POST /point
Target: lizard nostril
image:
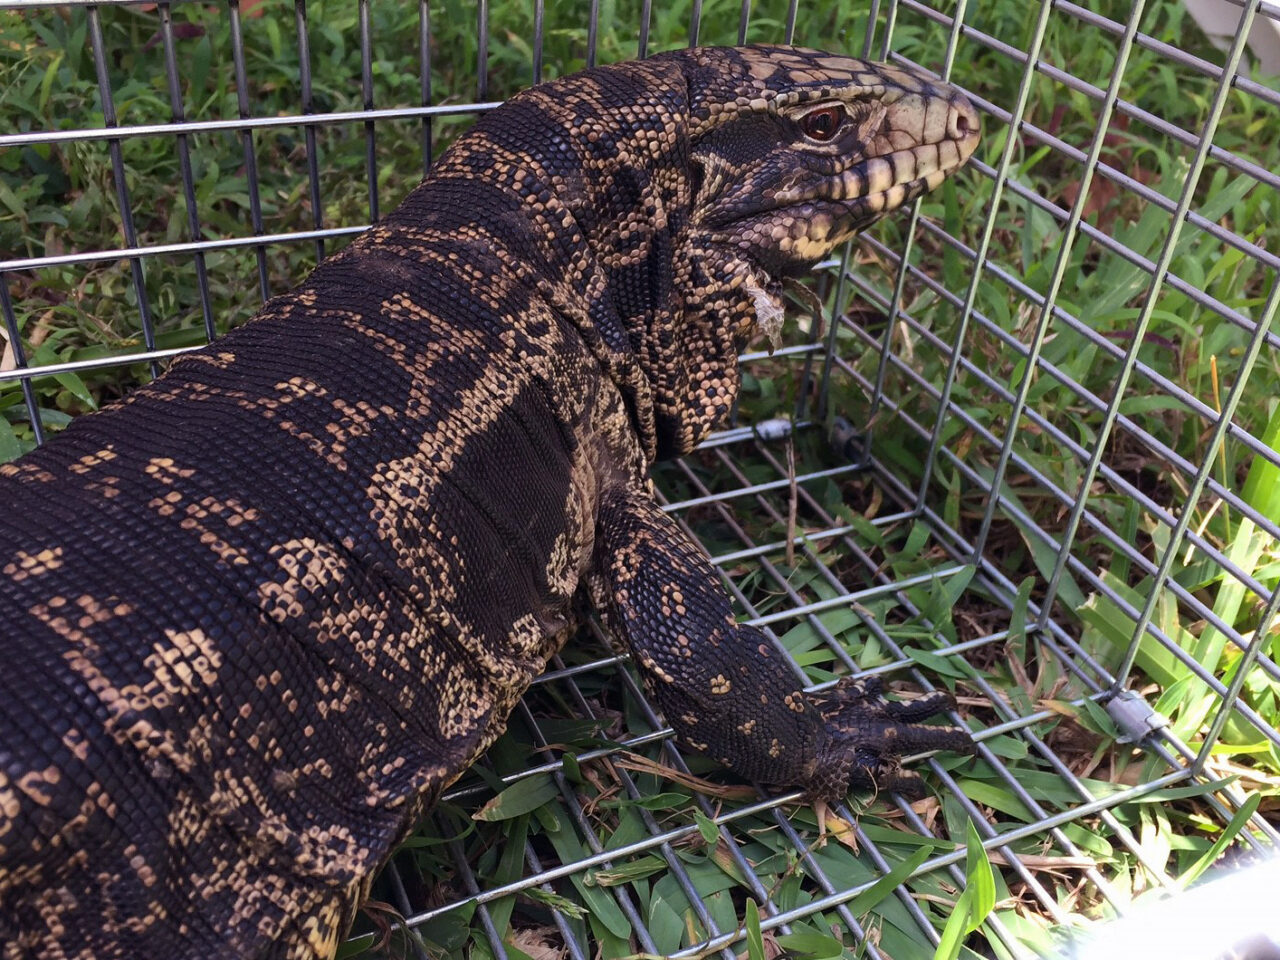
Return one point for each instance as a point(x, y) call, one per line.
point(961, 121)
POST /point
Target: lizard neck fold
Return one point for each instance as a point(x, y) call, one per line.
point(600, 166)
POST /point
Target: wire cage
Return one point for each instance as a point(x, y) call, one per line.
point(1028, 452)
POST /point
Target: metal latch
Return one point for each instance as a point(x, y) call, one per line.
point(1134, 716)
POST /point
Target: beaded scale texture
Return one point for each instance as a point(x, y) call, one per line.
point(259, 614)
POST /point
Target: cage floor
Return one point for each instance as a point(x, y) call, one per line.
point(588, 807)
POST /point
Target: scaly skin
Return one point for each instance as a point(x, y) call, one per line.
point(258, 615)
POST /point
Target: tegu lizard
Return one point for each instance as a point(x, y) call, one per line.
point(259, 614)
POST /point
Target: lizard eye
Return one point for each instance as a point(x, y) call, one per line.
point(822, 124)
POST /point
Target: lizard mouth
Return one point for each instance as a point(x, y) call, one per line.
point(812, 227)
point(887, 169)
point(793, 226)
point(883, 182)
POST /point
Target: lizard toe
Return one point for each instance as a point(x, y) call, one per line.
point(864, 738)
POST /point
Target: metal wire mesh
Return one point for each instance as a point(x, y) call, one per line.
point(960, 528)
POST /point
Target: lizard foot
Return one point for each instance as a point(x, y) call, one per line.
point(865, 736)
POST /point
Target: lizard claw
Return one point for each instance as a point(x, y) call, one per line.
point(864, 737)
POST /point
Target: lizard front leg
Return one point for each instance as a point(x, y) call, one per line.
point(725, 689)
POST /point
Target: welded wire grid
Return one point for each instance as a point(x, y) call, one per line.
point(808, 526)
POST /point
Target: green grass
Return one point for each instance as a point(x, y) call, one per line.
point(56, 199)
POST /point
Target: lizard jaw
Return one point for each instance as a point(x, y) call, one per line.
point(813, 228)
point(826, 224)
point(787, 226)
point(816, 228)
point(796, 231)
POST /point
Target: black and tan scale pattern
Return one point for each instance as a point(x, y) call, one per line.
point(257, 616)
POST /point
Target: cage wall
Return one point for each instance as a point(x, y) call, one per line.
point(1027, 452)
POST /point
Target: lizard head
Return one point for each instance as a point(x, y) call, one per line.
point(672, 194)
point(797, 150)
point(792, 151)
